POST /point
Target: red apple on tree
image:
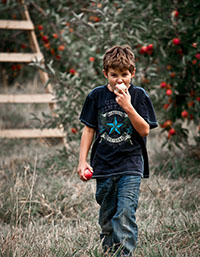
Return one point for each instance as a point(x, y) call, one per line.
point(45, 39)
point(166, 106)
point(168, 92)
point(73, 130)
point(150, 49)
point(197, 56)
point(176, 41)
point(172, 131)
point(184, 114)
point(143, 50)
point(163, 84)
point(61, 47)
point(167, 123)
point(40, 27)
point(175, 13)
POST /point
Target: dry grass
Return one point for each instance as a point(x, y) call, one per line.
point(45, 210)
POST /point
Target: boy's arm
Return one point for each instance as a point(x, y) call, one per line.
point(86, 141)
point(140, 125)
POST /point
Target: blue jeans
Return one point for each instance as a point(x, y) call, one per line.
point(118, 200)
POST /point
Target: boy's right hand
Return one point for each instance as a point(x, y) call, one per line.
point(81, 170)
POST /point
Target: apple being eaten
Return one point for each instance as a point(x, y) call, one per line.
point(121, 86)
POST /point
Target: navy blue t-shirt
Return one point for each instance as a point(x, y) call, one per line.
point(118, 149)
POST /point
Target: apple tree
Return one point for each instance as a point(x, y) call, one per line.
point(165, 38)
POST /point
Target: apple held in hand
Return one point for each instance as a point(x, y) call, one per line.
point(121, 86)
point(88, 174)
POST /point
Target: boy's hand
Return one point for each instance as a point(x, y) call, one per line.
point(123, 98)
point(81, 169)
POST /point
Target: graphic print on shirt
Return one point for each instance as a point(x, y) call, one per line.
point(115, 127)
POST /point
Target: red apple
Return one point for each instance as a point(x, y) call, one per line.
point(88, 174)
point(23, 46)
point(184, 114)
point(169, 67)
point(172, 74)
point(55, 35)
point(191, 103)
point(172, 131)
point(73, 130)
point(91, 59)
point(197, 56)
point(168, 92)
point(175, 13)
point(163, 84)
point(143, 50)
point(96, 19)
point(14, 67)
point(194, 61)
point(168, 123)
point(45, 39)
point(150, 47)
point(61, 47)
point(176, 41)
point(40, 27)
point(180, 51)
point(72, 71)
point(166, 106)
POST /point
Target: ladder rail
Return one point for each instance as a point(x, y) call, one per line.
point(26, 98)
point(21, 57)
point(16, 25)
point(32, 133)
point(27, 25)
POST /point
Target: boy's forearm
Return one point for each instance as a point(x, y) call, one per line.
point(141, 126)
point(86, 141)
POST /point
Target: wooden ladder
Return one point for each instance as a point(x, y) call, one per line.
point(27, 25)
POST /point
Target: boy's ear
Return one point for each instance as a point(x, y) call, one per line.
point(133, 73)
point(105, 74)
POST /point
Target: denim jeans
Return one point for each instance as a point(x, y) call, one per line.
point(118, 200)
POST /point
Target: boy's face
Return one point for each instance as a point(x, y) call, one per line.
point(116, 76)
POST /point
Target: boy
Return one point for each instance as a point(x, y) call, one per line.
point(120, 120)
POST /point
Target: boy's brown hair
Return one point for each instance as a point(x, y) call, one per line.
point(119, 57)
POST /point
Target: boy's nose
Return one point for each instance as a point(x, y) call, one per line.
point(119, 81)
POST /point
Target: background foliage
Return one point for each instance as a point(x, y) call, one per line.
point(164, 35)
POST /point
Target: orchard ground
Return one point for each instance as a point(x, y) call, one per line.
point(45, 210)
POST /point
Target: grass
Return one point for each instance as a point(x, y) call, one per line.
point(45, 210)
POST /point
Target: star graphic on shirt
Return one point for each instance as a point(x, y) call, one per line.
point(114, 126)
point(129, 130)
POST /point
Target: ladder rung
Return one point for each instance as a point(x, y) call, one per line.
point(20, 57)
point(36, 98)
point(32, 133)
point(12, 24)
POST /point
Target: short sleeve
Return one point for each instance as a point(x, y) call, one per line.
point(146, 110)
point(88, 114)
